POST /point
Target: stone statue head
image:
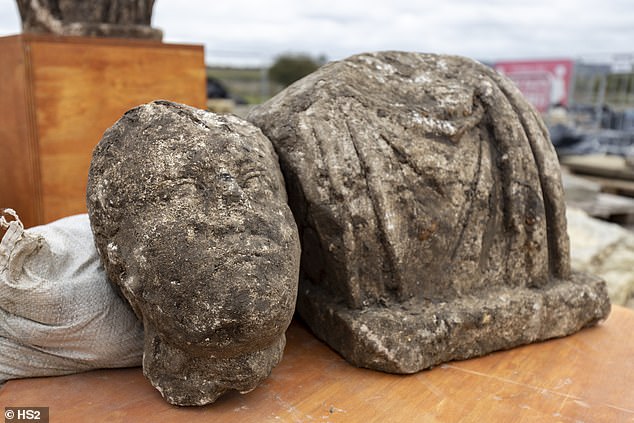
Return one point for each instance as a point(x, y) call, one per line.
point(190, 217)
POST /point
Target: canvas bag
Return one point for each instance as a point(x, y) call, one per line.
point(58, 313)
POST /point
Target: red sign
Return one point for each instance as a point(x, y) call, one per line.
point(544, 83)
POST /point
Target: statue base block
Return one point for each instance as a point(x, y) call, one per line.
point(419, 334)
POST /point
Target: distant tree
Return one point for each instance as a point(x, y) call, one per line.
point(288, 68)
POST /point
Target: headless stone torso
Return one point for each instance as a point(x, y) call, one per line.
point(426, 190)
point(417, 184)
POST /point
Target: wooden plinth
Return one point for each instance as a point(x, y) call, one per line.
point(58, 96)
point(586, 377)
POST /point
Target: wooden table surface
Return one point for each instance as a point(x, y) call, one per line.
point(586, 377)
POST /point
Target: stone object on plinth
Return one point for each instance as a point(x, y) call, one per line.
point(100, 18)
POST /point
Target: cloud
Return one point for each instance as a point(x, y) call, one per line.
point(9, 18)
point(254, 32)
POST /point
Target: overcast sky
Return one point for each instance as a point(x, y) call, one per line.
point(253, 32)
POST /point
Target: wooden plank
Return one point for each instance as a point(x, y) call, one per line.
point(606, 205)
point(614, 167)
point(19, 160)
point(613, 186)
point(82, 86)
point(588, 376)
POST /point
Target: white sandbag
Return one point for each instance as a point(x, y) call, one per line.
point(58, 313)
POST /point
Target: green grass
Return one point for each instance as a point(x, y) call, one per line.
point(244, 82)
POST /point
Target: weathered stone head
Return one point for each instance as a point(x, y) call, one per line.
point(101, 18)
point(430, 209)
point(190, 218)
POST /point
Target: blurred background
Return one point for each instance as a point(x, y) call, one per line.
point(253, 49)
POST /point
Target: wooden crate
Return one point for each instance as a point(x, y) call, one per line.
point(57, 97)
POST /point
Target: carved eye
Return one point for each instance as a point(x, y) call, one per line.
point(251, 179)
